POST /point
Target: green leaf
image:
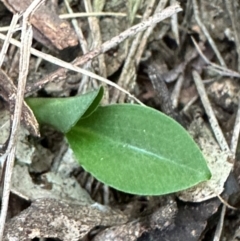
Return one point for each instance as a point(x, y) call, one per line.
point(137, 150)
point(63, 113)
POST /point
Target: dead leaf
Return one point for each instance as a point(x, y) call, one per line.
point(54, 186)
point(217, 160)
point(24, 151)
point(8, 89)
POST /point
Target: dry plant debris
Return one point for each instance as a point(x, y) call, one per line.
point(24, 151)
point(8, 89)
point(219, 163)
point(50, 218)
point(168, 55)
point(49, 28)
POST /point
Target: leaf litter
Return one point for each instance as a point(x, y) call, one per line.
point(179, 224)
point(217, 160)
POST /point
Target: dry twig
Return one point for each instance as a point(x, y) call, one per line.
point(236, 131)
point(83, 44)
point(67, 66)
point(176, 91)
point(209, 111)
point(9, 36)
point(232, 15)
point(26, 38)
point(206, 33)
point(215, 67)
point(218, 232)
point(128, 73)
point(61, 73)
point(174, 25)
point(97, 42)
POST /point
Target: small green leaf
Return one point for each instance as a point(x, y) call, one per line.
point(137, 150)
point(63, 113)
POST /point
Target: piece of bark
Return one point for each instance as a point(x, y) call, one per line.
point(48, 27)
point(7, 92)
point(50, 218)
point(161, 219)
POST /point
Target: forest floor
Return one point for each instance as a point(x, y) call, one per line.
point(186, 65)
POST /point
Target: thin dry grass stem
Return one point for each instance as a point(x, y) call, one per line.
point(84, 47)
point(221, 141)
point(83, 86)
point(6, 28)
point(219, 228)
point(106, 194)
point(98, 187)
point(218, 232)
point(89, 184)
point(97, 42)
point(105, 46)
point(218, 69)
point(176, 91)
point(174, 25)
point(102, 49)
point(129, 64)
point(185, 24)
point(95, 14)
point(206, 33)
point(236, 131)
point(138, 52)
point(94, 26)
point(26, 41)
point(9, 36)
point(209, 81)
point(209, 111)
point(81, 39)
point(39, 60)
point(98, 5)
point(81, 15)
point(232, 15)
point(72, 67)
point(224, 202)
point(189, 104)
point(223, 72)
point(160, 7)
point(133, 6)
